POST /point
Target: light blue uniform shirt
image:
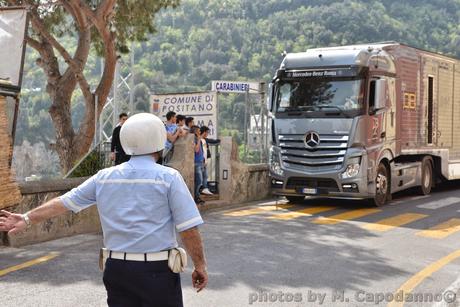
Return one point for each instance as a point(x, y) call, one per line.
point(141, 204)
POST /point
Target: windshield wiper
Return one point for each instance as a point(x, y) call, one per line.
point(298, 109)
point(324, 106)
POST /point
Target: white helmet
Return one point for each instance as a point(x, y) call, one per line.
point(142, 134)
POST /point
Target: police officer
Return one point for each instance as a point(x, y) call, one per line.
point(141, 205)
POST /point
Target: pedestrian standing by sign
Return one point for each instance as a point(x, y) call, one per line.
point(172, 134)
point(141, 204)
point(199, 163)
point(204, 130)
point(180, 120)
point(117, 153)
point(189, 123)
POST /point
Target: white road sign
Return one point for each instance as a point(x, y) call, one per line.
point(12, 31)
point(235, 87)
point(201, 106)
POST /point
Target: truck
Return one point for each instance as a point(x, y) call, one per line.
point(364, 121)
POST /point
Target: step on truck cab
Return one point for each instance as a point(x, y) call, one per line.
point(364, 121)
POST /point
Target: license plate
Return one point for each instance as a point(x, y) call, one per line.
point(309, 191)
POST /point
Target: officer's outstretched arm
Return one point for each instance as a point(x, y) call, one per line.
point(194, 246)
point(14, 223)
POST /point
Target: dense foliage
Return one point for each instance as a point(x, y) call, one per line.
point(204, 40)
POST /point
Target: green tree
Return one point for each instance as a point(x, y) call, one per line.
point(104, 25)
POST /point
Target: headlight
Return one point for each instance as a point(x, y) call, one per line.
point(352, 168)
point(275, 163)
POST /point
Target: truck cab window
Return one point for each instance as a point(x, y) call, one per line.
point(286, 91)
point(372, 96)
point(319, 95)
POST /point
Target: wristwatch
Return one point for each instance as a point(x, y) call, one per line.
point(26, 218)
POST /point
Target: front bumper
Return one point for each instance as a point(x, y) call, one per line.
point(327, 184)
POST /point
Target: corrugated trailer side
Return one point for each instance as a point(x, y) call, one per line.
point(409, 108)
point(438, 87)
point(455, 155)
point(445, 104)
point(429, 106)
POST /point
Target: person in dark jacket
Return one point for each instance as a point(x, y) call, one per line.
point(117, 153)
point(207, 156)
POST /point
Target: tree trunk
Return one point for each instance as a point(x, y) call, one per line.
point(70, 145)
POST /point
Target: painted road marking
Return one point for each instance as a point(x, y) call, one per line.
point(299, 213)
point(436, 204)
point(415, 280)
point(257, 210)
point(338, 218)
point(393, 222)
point(407, 199)
point(29, 263)
point(442, 230)
point(449, 295)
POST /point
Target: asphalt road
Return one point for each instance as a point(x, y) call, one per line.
point(323, 252)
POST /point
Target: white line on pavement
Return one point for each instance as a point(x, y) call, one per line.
point(436, 204)
point(453, 288)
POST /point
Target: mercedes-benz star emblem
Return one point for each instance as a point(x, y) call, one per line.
point(311, 139)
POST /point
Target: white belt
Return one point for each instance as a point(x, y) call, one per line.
point(139, 256)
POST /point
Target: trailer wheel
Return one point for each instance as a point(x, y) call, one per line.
point(382, 186)
point(427, 176)
point(295, 199)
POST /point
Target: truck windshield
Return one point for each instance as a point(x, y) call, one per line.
point(329, 96)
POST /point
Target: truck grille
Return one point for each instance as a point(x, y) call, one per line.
point(318, 183)
point(328, 155)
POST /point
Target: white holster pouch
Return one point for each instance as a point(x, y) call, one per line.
point(177, 260)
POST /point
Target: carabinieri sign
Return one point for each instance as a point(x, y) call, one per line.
point(236, 87)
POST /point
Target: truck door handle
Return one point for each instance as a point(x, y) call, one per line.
point(383, 135)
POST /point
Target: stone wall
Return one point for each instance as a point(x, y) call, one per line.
point(183, 159)
point(238, 182)
point(241, 182)
point(36, 193)
point(9, 191)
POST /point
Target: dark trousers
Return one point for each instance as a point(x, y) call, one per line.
point(143, 284)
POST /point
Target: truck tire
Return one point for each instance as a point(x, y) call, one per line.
point(427, 176)
point(295, 199)
point(382, 186)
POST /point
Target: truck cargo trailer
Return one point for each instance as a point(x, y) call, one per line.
point(364, 121)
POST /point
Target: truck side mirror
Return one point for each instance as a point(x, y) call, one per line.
point(270, 97)
point(377, 95)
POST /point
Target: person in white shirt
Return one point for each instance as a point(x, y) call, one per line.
point(142, 205)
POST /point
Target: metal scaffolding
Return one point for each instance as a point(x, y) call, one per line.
point(121, 99)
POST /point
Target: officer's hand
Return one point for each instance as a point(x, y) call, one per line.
point(12, 222)
point(112, 156)
point(199, 279)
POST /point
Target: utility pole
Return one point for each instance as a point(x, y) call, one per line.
point(246, 101)
point(263, 117)
point(131, 83)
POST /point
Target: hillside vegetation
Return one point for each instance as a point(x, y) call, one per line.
point(204, 40)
